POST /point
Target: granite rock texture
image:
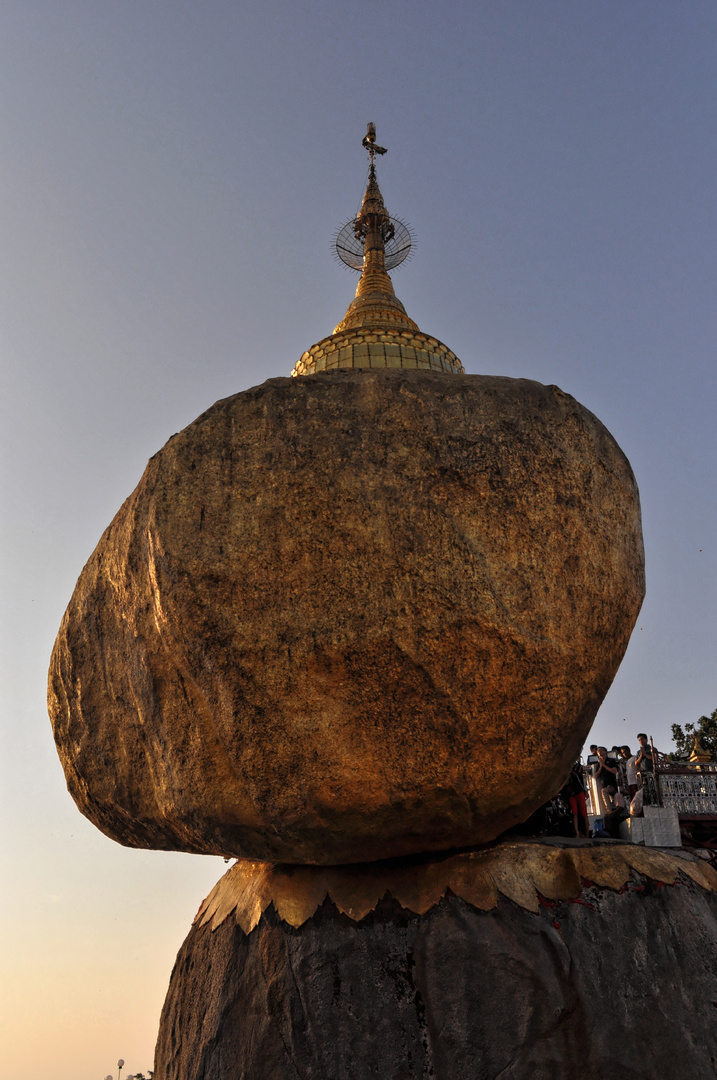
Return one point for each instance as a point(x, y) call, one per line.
point(350, 616)
point(615, 984)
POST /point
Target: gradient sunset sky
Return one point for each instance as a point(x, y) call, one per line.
point(173, 173)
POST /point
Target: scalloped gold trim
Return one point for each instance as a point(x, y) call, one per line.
point(519, 871)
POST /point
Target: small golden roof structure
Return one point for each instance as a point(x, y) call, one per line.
point(699, 752)
point(375, 332)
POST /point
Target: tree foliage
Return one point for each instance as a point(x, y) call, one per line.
point(706, 731)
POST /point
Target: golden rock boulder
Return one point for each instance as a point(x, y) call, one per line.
point(350, 616)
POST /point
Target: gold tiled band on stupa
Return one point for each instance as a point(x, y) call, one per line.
point(376, 332)
point(376, 348)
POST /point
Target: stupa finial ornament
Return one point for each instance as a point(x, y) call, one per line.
point(375, 332)
point(367, 238)
point(369, 141)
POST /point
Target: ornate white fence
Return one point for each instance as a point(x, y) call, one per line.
point(689, 789)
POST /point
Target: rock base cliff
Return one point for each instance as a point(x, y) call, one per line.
point(609, 981)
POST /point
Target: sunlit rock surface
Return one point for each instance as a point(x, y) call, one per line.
point(613, 978)
point(350, 616)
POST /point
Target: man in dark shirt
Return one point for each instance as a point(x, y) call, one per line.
point(643, 761)
point(645, 765)
point(605, 773)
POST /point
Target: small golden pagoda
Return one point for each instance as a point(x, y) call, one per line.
point(700, 755)
point(375, 332)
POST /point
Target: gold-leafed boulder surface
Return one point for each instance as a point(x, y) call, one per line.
point(348, 617)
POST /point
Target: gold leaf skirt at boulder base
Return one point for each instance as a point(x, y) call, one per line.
point(520, 871)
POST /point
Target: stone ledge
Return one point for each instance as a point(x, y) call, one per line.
point(522, 871)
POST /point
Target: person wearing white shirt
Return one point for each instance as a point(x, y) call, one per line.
point(630, 769)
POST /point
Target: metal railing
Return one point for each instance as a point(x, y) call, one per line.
point(690, 789)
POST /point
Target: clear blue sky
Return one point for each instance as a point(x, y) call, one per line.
point(173, 173)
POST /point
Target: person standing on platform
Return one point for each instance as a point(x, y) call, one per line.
point(605, 773)
point(630, 770)
point(646, 768)
point(643, 761)
point(574, 793)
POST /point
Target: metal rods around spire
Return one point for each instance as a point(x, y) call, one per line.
point(396, 237)
point(350, 246)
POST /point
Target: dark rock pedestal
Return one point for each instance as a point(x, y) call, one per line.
point(611, 982)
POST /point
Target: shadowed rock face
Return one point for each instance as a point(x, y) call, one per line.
point(350, 616)
point(617, 985)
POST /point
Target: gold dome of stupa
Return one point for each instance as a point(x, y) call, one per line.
point(376, 332)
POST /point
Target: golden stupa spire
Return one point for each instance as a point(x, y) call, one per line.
point(375, 331)
point(376, 302)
